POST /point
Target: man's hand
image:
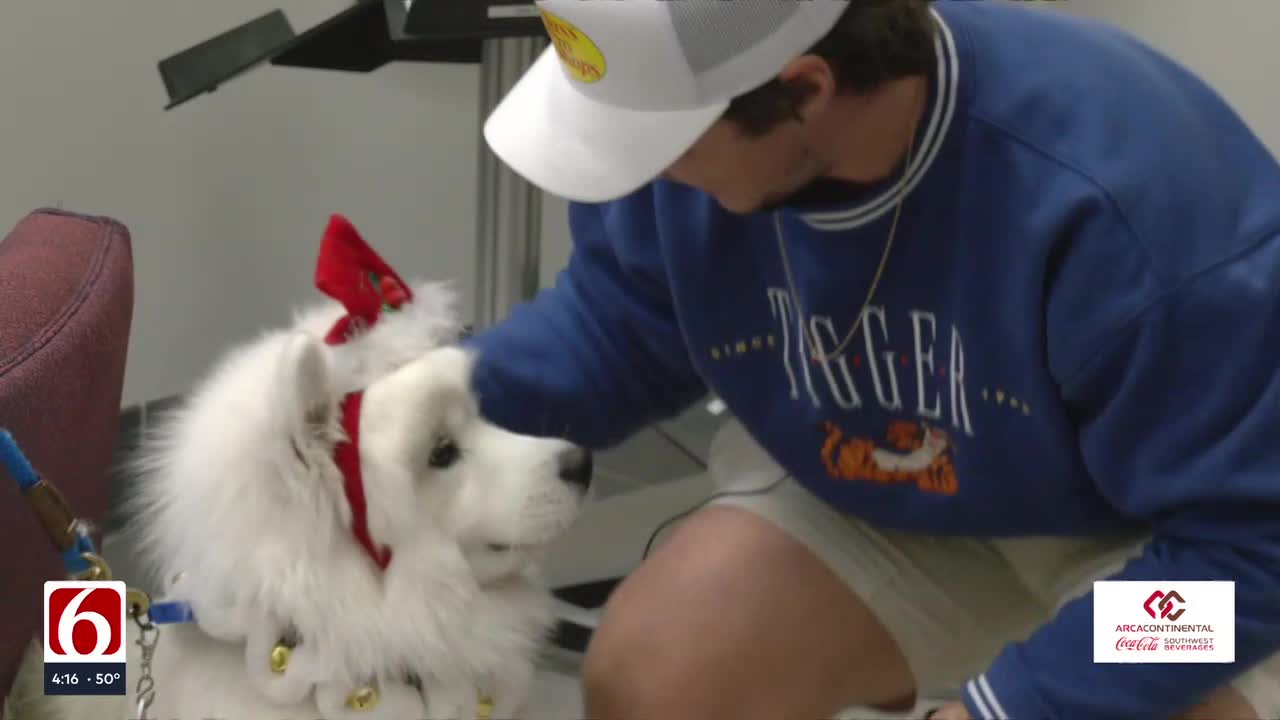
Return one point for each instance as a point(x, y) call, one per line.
point(950, 711)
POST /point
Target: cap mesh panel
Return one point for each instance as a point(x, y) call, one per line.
point(711, 32)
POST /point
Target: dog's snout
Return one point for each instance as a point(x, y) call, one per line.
point(576, 467)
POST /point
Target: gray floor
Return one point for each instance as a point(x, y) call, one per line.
point(638, 485)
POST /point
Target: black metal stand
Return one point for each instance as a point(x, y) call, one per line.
point(509, 209)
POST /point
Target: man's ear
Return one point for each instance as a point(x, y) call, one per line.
point(813, 80)
point(306, 384)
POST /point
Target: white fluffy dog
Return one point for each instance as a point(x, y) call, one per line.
point(412, 596)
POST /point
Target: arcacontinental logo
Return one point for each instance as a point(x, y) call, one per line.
point(1142, 621)
point(1167, 606)
point(1166, 601)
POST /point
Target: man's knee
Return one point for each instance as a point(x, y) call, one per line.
point(730, 617)
point(647, 658)
point(626, 674)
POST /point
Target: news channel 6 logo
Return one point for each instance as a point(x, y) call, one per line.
point(84, 637)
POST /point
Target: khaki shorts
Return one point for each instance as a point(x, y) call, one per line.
point(950, 603)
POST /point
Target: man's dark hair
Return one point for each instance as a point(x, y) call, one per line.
point(873, 42)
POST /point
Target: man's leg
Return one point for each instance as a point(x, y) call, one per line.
point(1258, 688)
point(732, 618)
point(772, 605)
point(1225, 703)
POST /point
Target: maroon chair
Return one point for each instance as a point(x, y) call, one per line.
point(66, 308)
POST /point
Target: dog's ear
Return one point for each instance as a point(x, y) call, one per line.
point(306, 384)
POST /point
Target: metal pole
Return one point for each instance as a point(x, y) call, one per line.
point(509, 209)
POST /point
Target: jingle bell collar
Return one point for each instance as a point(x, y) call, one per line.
point(349, 271)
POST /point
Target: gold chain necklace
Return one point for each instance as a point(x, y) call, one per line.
point(808, 334)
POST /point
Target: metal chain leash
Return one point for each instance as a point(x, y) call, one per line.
point(146, 687)
point(148, 638)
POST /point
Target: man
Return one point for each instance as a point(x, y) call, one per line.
point(993, 296)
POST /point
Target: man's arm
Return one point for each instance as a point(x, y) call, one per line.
point(599, 355)
point(1180, 418)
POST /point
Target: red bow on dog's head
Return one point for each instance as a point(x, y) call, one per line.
point(349, 271)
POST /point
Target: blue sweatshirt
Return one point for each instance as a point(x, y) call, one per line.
point(1077, 332)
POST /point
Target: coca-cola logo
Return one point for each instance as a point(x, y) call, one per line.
point(1148, 643)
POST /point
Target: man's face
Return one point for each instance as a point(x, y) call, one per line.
point(746, 173)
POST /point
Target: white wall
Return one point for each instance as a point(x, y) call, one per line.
point(226, 196)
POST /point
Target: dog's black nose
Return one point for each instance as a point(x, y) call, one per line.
point(576, 467)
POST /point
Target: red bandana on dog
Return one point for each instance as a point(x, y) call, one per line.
point(349, 271)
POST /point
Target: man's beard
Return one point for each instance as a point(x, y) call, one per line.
point(818, 190)
point(800, 195)
point(821, 191)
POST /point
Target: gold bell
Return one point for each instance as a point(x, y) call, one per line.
point(280, 656)
point(366, 698)
point(484, 711)
point(139, 603)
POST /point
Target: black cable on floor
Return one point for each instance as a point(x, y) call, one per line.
point(684, 449)
point(701, 504)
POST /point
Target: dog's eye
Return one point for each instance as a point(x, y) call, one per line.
point(444, 454)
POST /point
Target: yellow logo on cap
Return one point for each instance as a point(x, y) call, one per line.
point(579, 55)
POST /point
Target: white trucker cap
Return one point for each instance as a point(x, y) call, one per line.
point(627, 86)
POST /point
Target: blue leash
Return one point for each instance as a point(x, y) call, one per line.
point(15, 463)
point(72, 537)
point(69, 533)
